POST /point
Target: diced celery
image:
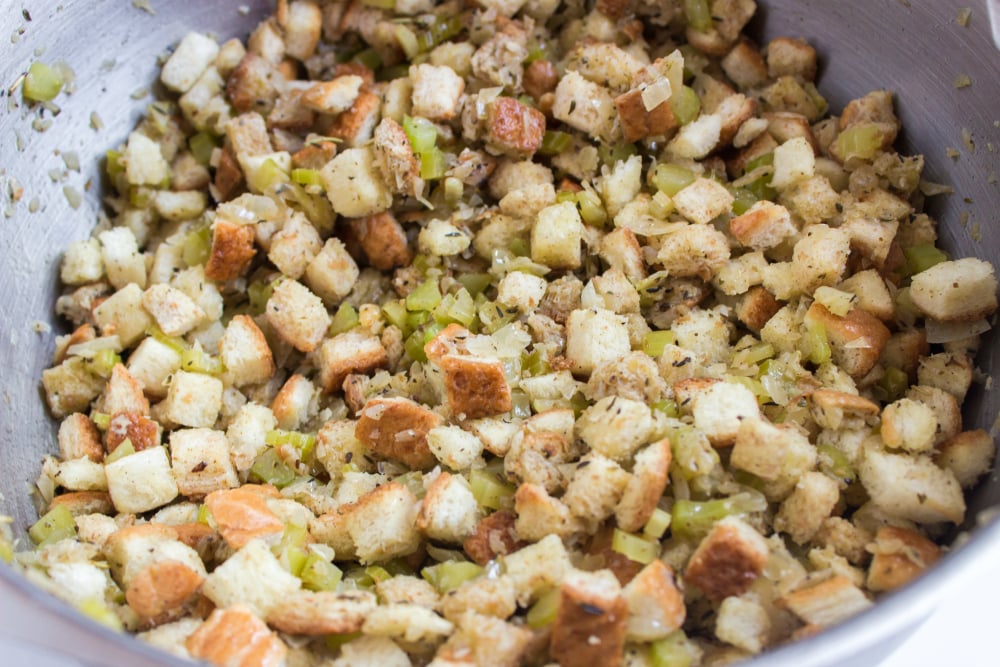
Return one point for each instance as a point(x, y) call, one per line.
point(922, 256)
point(369, 57)
point(407, 40)
point(672, 178)
point(102, 420)
point(453, 190)
point(671, 651)
point(693, 518)
point(124, 448)
point(448, 576)
point(685, 104)
point(417, 319)
point(303, 442)
point(698, 14)
point(657, 524)
point(463, 310)
point(315, 207)
point(535, 364)
point(862, 141)
point(380, 4)
point(269, 468)
point(442, 29)
point(432, 164)
point(204, 515)
point(743, 199)
point(393, 72)
point(378, 573)
point(57, 524)
point(564, 196)
point(612, 154)
point(762, 190)
point(196, 360)
point(634, 547)
point(306, 176)
point(319, 574)
point(197, 245)
point(345, 319)
point(425, 297)
point(6, 550)
point(266, 177)
point(115, 166)
point(661, 205)
point(543, 613)
point(141, 197)
point(656, 341)
point(591, 208)
point(395, 314)
point(753, 355)
point(521, 404)
point(259, 293)
point(421, 133)
point(334, 642)
point(753, 385)
point(97, 610)
point(489, 491)
point(414, 347)
point(476, 283)
point(555, 142)
point(519, 247)
point(894, 382)
point(42, 83)
point(835, 463)
point(821, 104)
point(201, 145)
point(414, 481)
point(765, 160)
point(103, 362)
point(814, 344)
point(667, 407)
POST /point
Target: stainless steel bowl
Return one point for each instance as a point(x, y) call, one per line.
point(913, 48)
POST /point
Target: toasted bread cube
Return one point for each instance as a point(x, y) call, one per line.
point(703, 200)
point(909, 425)
point(437, 91)
point(130, 550)
point(787, 56)
point(350, 352)
point(164, 590)
point(696, 139)
point(334, 96)
point(356, 125)
point(322, 613)
point(370, 650)
point(720, 409)
point(337, 447)
point(232, 250)
point(899, 556)
point(331, 274)
point(454, 447)
point(595, 489)
point(645, 486)
point(354, 185)
point(744, 623)
point(449, 512)
point(495, 535)
point(911, 487)
point(242, 514)
point(246, 434)
point(82, 263)
point(236, 636)
point(585, 106)
point(383, 523)
point(727, 560)
point(152, 364)
point(80, 474)
point(802, 514)
point(856, 340)
point(962, 290)
point(521, 290)
point(188, 61)
point(297, 315)
point(828, 602)
point(621, 250)
point(872, 294)
point(763, 226)
point(405, 622)
point(475, 387)
point(812, 200)
point(513, 128)
point(141, 431)
point(383, 241)
point(193, 399)
point(745, 66)
point(200, 461)
point(294, 246)
point(616, 427)
point(122, 260)
point(830, 407)
point(303, 25)
point(245, 352)
point(253, 577)
point(395, 157)
point(397, 428)
point(948, 371)
point(144, 162)
point(969, 455)
point(123, 393)
point(772, 451)
point(794, 161)
point(174, 311)
point(408, 589)
point(295, 404)
point(78, 437)
point(171, 637)
point(538, 566)
point(655, 603)
point(694, 250)
point(556, 236)
point(142, 481)
point(591, 623)
point(638, 122)
point(594, 337)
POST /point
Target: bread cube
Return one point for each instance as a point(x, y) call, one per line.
point(174, 311)
point(720, 410)
point(252, 577)
point(911, 487)
point(297, 315)
point(200, 461)
point(122, 260)
point(771, 451)
point(703, 200)
point(354, 185)
point(696, 139)
point(437, 91)
point(189, 60)
point(962, 290)
point(142, 481)
point(590, 606)
point(449, 512)
point(794, 161)
point(70, 387)
point(594, 337)
point(383, 523)
point(556, 236)
point(236, 636)
point(82, 263)
point(802, 513)
point(144, 162)
point(616, 427)
point(727, 560)
point(585, 106)
point(294, 246)
point(331, 274)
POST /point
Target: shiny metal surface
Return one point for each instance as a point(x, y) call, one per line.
point(914, 48)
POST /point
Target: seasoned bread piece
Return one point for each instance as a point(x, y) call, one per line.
point(591, 623)
point(728, 560)
point(236, 637)
point(396, 428)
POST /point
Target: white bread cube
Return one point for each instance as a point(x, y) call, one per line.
point(744, 623)
point(334, 96)
point(494, 432)
point(303, 26)
point(655, 603)
point(645, 486)
point(332, 272)
point(368, 650)
point(703, 200)
point(595, 488)
point(772, 451)
point(188, 61)
point(449, 512)
point(294, 246)
point(720, 409)
point(949, 371)
point(538, 566)
point(244, 351)
point(174, 311)
point(969, 455)
point(406, 622)
point(539, 514)
point(705, 333)
point(621, 184)
point(123, 393)
point(122, 259)
point(336, 447)
point(383, 523)
point(193, 399)
point(794, 161)
point(765, 225)
point(144, 162)
point(354, 184)
point(122, 314)
point(297, 315)
point(594, 337)
point(151, 364)
point(253, 577)
point(200, 461)
point(696, 139)
point(616, 427)
point(911, 487)
point(556, 236)
point(962, 290)
point(142, 481)
point(246, 434)
point(585, 106)
point(803, 512)
point(179, 206)
point(820, 257)
point(443, 239)
point(78, 437)
point(70, 387)
point(456, 448)
point(871, 293)
point(296, 403)
point(82, 263)
point(521, 290)
point(740, 274)
point(437, 91)
point(80, 474)
point(910, 425)
point(693, 250)
point(828, 602)
point(131, 549)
